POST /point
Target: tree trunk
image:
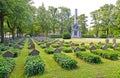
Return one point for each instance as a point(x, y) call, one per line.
point(2, 28)
point(107, 31)
point(13, 34)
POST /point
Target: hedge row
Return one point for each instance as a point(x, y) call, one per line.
point(65, 61)
point(108, 54)
point(66, 49)
point(34, 65)
point(49, 50)
point(6, 66)
point(88, 57)
point(55, 45)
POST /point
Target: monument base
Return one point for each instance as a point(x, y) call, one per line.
point(75, 34)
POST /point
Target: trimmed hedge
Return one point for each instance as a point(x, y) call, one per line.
point(66, 45)
point(43, 45)
point(56, 36)
point(82, 48)
point(108, 54)
point(88, 57)
point(55, 45)
point(49, 50)
point(6, 67)
point(65, 61)
point(67, 49)
point(66, 35)
point(34, 65)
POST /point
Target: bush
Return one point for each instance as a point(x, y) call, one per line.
point(87, 36)
point(34, 65)
point(103, 36)
point(6, 66)
point(67, 45)
point(4, 48)
point(56, 36)
point(108, 54)
point(65, 61)
point(66, 35)
point(82, 48)
point(67, 49)
point(55, 45)
point(88, 57)
point(43, 45)
point(49, 50)
point(76, 44)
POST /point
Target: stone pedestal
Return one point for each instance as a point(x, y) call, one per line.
point(75, 34)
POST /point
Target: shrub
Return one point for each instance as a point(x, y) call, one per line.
point(43, 45)
point(65, 61)
point(55, 45)
point(67, 49)
point(49, 50)
point(76, 44)
point(103, 36)
point(87, 36)
point(67, 45)
point(6, 66)
point(3, 48)
point(66, 35)
point(82, 48)
point(34, 65)
point(108, 54)
point(56, 36)
point(88, 57)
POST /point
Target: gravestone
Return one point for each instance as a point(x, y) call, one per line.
point(47, 45)
point(92, 48)
point(76, 49)
point(72, 44)
point(114, 46)
point(8, 54)
point(6, 42)
point(107, 41)
point(91, 43)
point(99, 42)
point(82, 44)
point(104, 47)
point(34, 52)
point(114, 41)
point(57, 50)
point(61, 44)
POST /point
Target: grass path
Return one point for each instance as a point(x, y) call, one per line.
point(50, 65)
point(18, 71)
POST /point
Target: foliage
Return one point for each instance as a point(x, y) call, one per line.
point(66, 45)
point(6, 66)
point(66, 35)
point(67, 49)
point(65, 61)
point(34, 65)
point(55, 45)
point(56, 36)
point(43, 45)
point(88, 57)
point(87, 36)
point(82, 48)
point(108, 54)
point(49, 50)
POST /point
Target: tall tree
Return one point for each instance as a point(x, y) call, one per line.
point(82, 20)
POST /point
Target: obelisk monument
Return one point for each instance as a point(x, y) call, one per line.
point(75, 30)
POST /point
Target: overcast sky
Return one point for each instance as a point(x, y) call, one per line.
point(83, 6)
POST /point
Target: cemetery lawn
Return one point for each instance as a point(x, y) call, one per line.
point(107, 69)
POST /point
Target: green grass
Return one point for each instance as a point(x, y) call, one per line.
point(18, 71)
point(108, 69)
